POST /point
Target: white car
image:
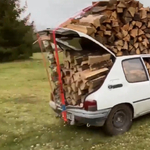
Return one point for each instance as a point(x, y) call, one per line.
point(122, 97)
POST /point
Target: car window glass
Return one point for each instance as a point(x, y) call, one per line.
point(134, 70)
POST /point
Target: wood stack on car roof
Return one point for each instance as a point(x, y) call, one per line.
point(121, 26)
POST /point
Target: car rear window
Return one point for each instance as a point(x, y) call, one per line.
point(134, 70)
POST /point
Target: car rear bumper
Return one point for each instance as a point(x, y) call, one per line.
point(78, 115)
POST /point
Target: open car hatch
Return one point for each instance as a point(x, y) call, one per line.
point(72, 39)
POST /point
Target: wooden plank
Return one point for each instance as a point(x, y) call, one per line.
point(130, 47)
point(137, 17)
point(99, 9)
point(67, 64)
point(102, 64)
point(147, 65)
point(115, 23)
point(119, 35)
point(134, 32)
point(126, 27)
point(119, 53)
point(145, 51)
point(107, 32)
point(136, 45)
point(84, 62)
point(121, 4)
point(108, 26)
point(125, 46)
point(66, 72)
point(143, 27)
point(140, 32)
point(119, 10)
point(148, 24)
point(78, 60)
point(85, 29)
point(96, 82)
point(119, 43)
point(119, 49)
point(127, 14)
point(130, 27)
point(96, 20)
point(143, 13)
point(138, 24)
point(74, 88)
point(67, 80)
point(140, 39)
point(78, 82)
point(82, 92)
point(138, 51)
point(132, 11)
point(145, 43)
point(76, 76)
point(97, 59)
point(148, 35)
point(83, 85)
point(69, 89)
point(87, 74)
point(114, 15)
point(127, 38)
point(142, 47)
point(124, 32)
point(112, 2)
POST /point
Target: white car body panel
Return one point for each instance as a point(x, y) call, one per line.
point(137, 94)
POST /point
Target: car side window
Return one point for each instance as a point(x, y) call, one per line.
point(134, 70)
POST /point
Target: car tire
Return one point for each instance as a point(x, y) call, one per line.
point(119, 120)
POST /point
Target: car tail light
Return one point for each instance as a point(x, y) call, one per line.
point(90, 105)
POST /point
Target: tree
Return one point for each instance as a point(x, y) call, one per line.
point(16, 37)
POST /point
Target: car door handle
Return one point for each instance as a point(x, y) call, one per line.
point(115, 86)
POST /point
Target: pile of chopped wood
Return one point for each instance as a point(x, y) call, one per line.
point(122, 26)
point(83, 74)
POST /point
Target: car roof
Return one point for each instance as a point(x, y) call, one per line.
point(133, 56)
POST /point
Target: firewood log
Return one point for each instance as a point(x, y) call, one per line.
point(88, 75)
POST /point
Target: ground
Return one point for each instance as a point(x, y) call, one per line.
point(27, 122)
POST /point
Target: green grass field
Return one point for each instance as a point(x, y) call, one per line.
point(27, 122)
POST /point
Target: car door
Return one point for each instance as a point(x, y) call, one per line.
point(138, 86)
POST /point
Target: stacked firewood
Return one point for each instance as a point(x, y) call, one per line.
point(83, 73)
point(122, 26)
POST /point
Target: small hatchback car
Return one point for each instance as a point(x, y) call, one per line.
point(123, 96)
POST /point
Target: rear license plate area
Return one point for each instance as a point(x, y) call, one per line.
point(69, 116)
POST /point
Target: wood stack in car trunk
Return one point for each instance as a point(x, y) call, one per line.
point(122, 26)
point(83, 73)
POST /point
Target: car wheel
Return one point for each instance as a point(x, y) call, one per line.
point(119, 120)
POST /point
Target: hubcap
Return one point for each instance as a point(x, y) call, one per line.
point(119, 119)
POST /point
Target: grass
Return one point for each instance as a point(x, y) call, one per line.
point(27, 122)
